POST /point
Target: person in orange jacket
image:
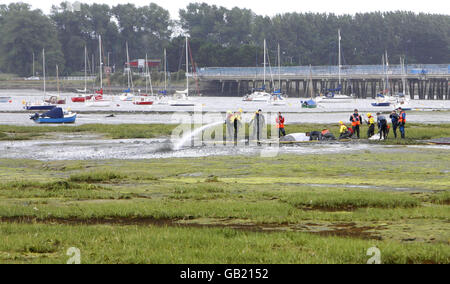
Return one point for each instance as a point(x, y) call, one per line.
point(402, 122)
point(280, 125)
point(356, 120)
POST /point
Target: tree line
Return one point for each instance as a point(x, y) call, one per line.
point(218, 36)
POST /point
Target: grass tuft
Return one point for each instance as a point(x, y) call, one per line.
point(349, 200)
point(97, 177)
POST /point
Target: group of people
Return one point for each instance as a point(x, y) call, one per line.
point(398, 120)
point(257, 125)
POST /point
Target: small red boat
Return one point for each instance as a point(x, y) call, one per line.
point(143, 103)
point(83, 98)
point(143, 100)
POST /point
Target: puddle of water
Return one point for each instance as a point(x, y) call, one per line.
point(80, 148)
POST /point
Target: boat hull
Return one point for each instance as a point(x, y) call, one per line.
point(5, 100)
point(143, 103)
point(81, 99)
point(381, 104)
point(64, 120)
point(44, 107)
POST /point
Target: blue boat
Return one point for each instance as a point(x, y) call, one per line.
point(381, 104)
point(56, 115)
point(5, 100)
point(309, 104)
point(39, 107)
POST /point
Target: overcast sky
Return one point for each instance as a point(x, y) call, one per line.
point(271, 7)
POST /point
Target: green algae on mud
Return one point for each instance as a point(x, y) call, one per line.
point(277, 210)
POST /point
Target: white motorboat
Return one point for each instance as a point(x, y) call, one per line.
point(335, 98)
point(258, 96)
point(180, 99)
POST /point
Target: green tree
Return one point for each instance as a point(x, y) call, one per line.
point(24, 32)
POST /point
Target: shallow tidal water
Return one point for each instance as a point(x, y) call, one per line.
point(126, 112)
point(89, 148)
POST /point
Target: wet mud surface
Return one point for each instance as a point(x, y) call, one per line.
point(79, 147)
point(351, 230)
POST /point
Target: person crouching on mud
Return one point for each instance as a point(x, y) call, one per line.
point(371, 123)
point(344, 132)
point(356, 120)
point(382, 126)
point(280, 125)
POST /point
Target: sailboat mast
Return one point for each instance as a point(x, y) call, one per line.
point(57, 78)
point(165, 69)
point(85, 69)
point(128, 65)
point(146, 74)
point(149, 74)
point(387, 74)
point(264, 64)
point(279, 67)
point(34, 74)
point(405, 87)
point(187, 65)
point(340, 62)
point(310, 81)
point(43, 68)
point(101, 64)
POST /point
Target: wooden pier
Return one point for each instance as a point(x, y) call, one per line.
point(420, 86)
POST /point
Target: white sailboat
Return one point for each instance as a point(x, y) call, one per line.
point(385, 98)
point(277, 98)
point(260, 95)
point(145, 99)
point(335, 95)
point(41, 105)
point(84, 91)
point(312, 103)
point(98, 101)
point(128, 95)
point(181, 98)
point(55, 98)
point(401, 99)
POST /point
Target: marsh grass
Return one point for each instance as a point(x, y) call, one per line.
point(49, 186)
point(442, 198)
point(349, 200)
point(97, 177)
point(57, 189)
point(281, 193)
point(40, 243)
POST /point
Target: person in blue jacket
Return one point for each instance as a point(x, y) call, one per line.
point(382, 126)
point(394, 119)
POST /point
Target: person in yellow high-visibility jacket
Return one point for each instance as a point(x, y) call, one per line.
point(371, 123)
point(344, 132)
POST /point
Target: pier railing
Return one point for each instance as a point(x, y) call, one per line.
point(257, 72)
